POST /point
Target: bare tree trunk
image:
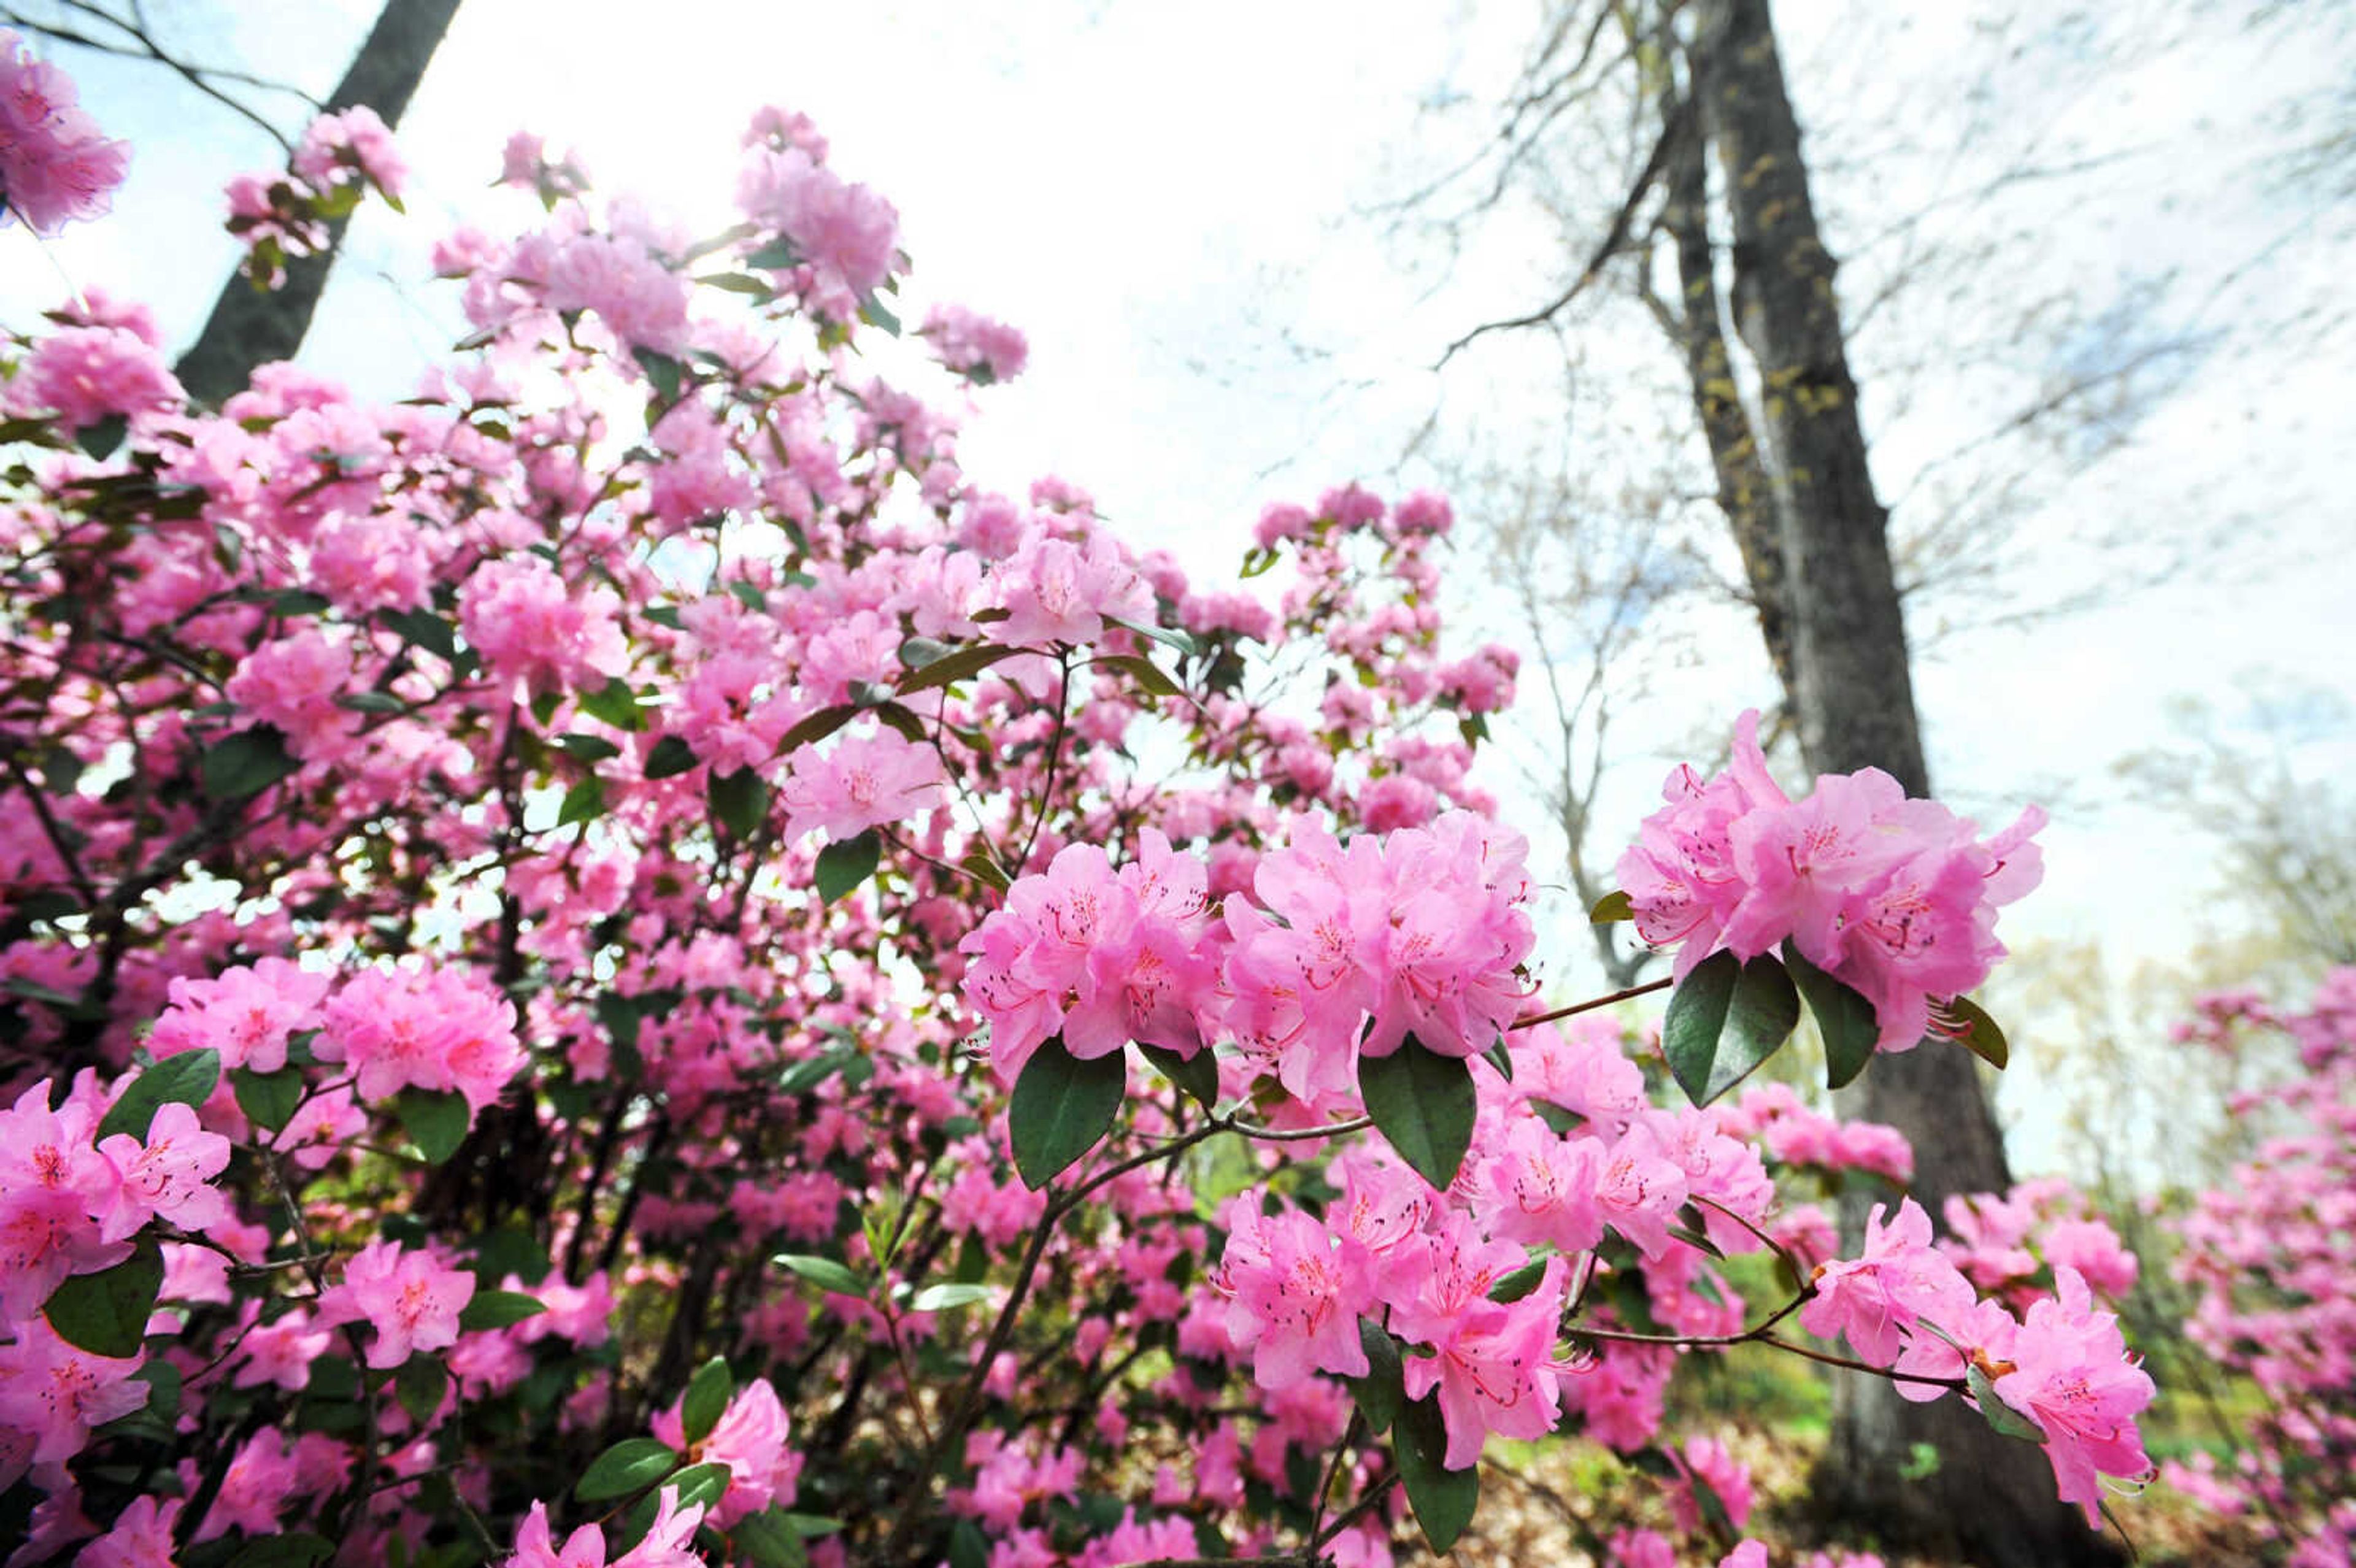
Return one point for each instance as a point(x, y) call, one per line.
point(1992, 1498)
point(249, 327)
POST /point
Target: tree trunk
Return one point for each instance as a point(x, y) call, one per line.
point(1992, 1498)
point(250, 327)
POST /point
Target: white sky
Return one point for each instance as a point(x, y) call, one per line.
point(1150, 191)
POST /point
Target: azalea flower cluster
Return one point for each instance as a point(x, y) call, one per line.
point(2270, 1253)
point(1895, 898)
point(543, 883)
point(2062, 1364)
point(55, 165)
point(1349, 950)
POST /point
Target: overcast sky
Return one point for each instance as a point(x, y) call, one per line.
point(1159, 195)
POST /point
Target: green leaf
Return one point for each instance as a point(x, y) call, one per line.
point(809, 1073)
point(738, 283)
point(1062, 1107)
point(1443, 1500)
point(918, 652)
point(1724, 1020)
point(629, 1466)
point(588, 748)
point(941, 1297)
point(299, 1549)
point(847, 862)
point(585, 802)
point(1381, 1394)
point(1997, 1413)
point(672, 756)
point(1142, 670)
point(950, 669)
point(740, 800)
point(662, 373)
point(768, 1539)
point(420, 1385)
point(106, 1313)
point(1843, 1017)
point(1610, 909)
point(436, 1122)
point(667, 615)
point(245, 763)
point(699, 1483)
point(268, 1099)
point(293, 601)
point(817, 727)
point(706, 1399)
point(778, 255)
point(1498, 1057)
point(907, 721)
point(1166, 636)
point(615, 704)
point(1424, 1104)
point(186, 1079)
point(370, 702)
point(1980, 1035)
point(826, 1274)
point(871, 312)
point(100, 439)
point(1520, 1281)
point(751, 595)
point(1197, 1074)
point(424, 628)
point(498, 1309)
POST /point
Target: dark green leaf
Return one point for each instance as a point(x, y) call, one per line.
point(950, 669)
point(298, 602)
point(1843, 1017)
point(1424, 1104)
point(768, 1540)
point(585, 802)
point(672, 755)
point(106, 1313)
point(298, 1550)
point(629, 1466)
point(1519, 1283)
point(666, 615)
point(846, 863)
point(1381, 1393)
point(1980, 1034)
point(826, 1274)
point(424, 628)
point(1498, 1057)
point(740, 800)
point(751, 595)
point(907, 721)
point(778, 255)
point(706, 1399)
point(436, 1122)
point(1724, 1020)
point(1142, 670)
point(100, 439)
point(588, 748)
point(498, 1309)
point(807, 1075)
point(918, 652)
point(662, 373)
point(615, 704)
point(1610, 909)
point(1443, 1500)
point(371, 702)
point(698, 1483)
point(1062, 1107)
point(420, 1385)
point(1997, 1413)
point(818, 725)
point(1197, 1074)
point(186, 1079)
point(268, 1099)
point(738, 283)
point(246, 764)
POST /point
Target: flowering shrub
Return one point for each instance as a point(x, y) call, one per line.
point(573, 943)
point(2268, 1253)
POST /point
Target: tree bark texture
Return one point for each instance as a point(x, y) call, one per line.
point(249, 327)
point(1992, 1498)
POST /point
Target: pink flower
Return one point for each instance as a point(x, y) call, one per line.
point(55, 165)
point(1494, 1361)
point(438, 1030)
point(53, 1186)
point(847, 233)
point(529, 626)
point(750, 1439)
point(1291, 1297)
point(535, 1546)
point(248, 1014)
point(1877, 1299)
point(984, 350)
point(169, 1177)
point(1057, 591)
point(412, 1300)
point(141, 1538)
point(56, 1392)
point(336, 147)
point(2075, 1379)
point(866, 781)
point(82, 375)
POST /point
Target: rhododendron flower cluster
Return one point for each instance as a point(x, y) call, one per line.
point(1894, 898)
point(55, 163)
point(496, 918)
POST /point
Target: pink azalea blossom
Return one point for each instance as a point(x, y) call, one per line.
point(55, 165)
point(412, 1300)
point(57, 1392)
point(2073, 1376)
point(1899, 1279)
